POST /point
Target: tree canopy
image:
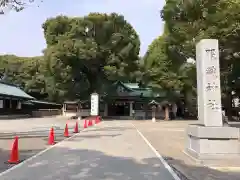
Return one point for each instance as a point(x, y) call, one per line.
point(86, 53)
point(186, 23)
point(83, 55)
point(165, 74)
point(190, 21)
point(158, 67)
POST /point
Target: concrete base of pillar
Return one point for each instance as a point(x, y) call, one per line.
point(153, 119)
point(205, 143)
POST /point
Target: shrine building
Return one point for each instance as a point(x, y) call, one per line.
point(122, 101)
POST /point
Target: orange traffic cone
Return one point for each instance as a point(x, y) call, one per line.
point(85, 124)
point(51, 139)
point(14, 157)
point(66, 134)
point(90, 122)
point(76, 128)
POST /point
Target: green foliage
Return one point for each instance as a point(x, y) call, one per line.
point(24, 72)
point(190, 21)
point(158, 67)
point(82, 54)
point(163, 73)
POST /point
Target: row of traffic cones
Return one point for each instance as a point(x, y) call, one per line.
point(14, 156)
point(51, 139)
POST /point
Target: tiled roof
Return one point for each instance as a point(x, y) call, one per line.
point(11, 90)
point(133, 90)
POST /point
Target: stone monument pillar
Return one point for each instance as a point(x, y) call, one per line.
point(209, 139)
point(208, 83)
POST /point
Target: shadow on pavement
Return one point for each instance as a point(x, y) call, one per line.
point(67, 164)
point(199, 172)
point(26, 150)
point(23, 155)
point(171, 145)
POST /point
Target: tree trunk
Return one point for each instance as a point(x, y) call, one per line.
point(166, 113)
point(228, 105)
point(190, 104)
point(93, 83)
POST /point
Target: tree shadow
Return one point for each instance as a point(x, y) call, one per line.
point(24, 152)
point(199, 172)
point(67, 164)
point(71, 164)
point(23, 155)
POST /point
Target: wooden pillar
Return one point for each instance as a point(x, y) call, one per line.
point(19, 105)
point(105, 109)
point(64, 109)
point(131, 108)
point(10, 104)
point(1, 103)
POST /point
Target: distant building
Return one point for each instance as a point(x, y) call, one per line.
point(12, 99)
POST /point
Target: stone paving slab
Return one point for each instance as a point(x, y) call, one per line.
point(111, 151)
point(168, 137)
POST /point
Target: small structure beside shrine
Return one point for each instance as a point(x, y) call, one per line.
point(71, 108)
point(154, 104)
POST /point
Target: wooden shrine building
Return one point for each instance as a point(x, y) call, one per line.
point(127, 100)
point(12, 99)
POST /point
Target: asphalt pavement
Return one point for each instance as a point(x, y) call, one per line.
point(112, 150)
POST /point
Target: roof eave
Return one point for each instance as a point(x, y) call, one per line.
point(19, 97)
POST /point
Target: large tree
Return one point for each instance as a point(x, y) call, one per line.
point(158, 70)
point(84, 54)
point(193, 20)
point(159, 66)
point(164, 74)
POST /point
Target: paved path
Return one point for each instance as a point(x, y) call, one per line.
point(33, 124)
point(168, 137)
point(112, 150)
point(33, 137)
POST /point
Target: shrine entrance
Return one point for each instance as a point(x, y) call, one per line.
point(119, 108)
